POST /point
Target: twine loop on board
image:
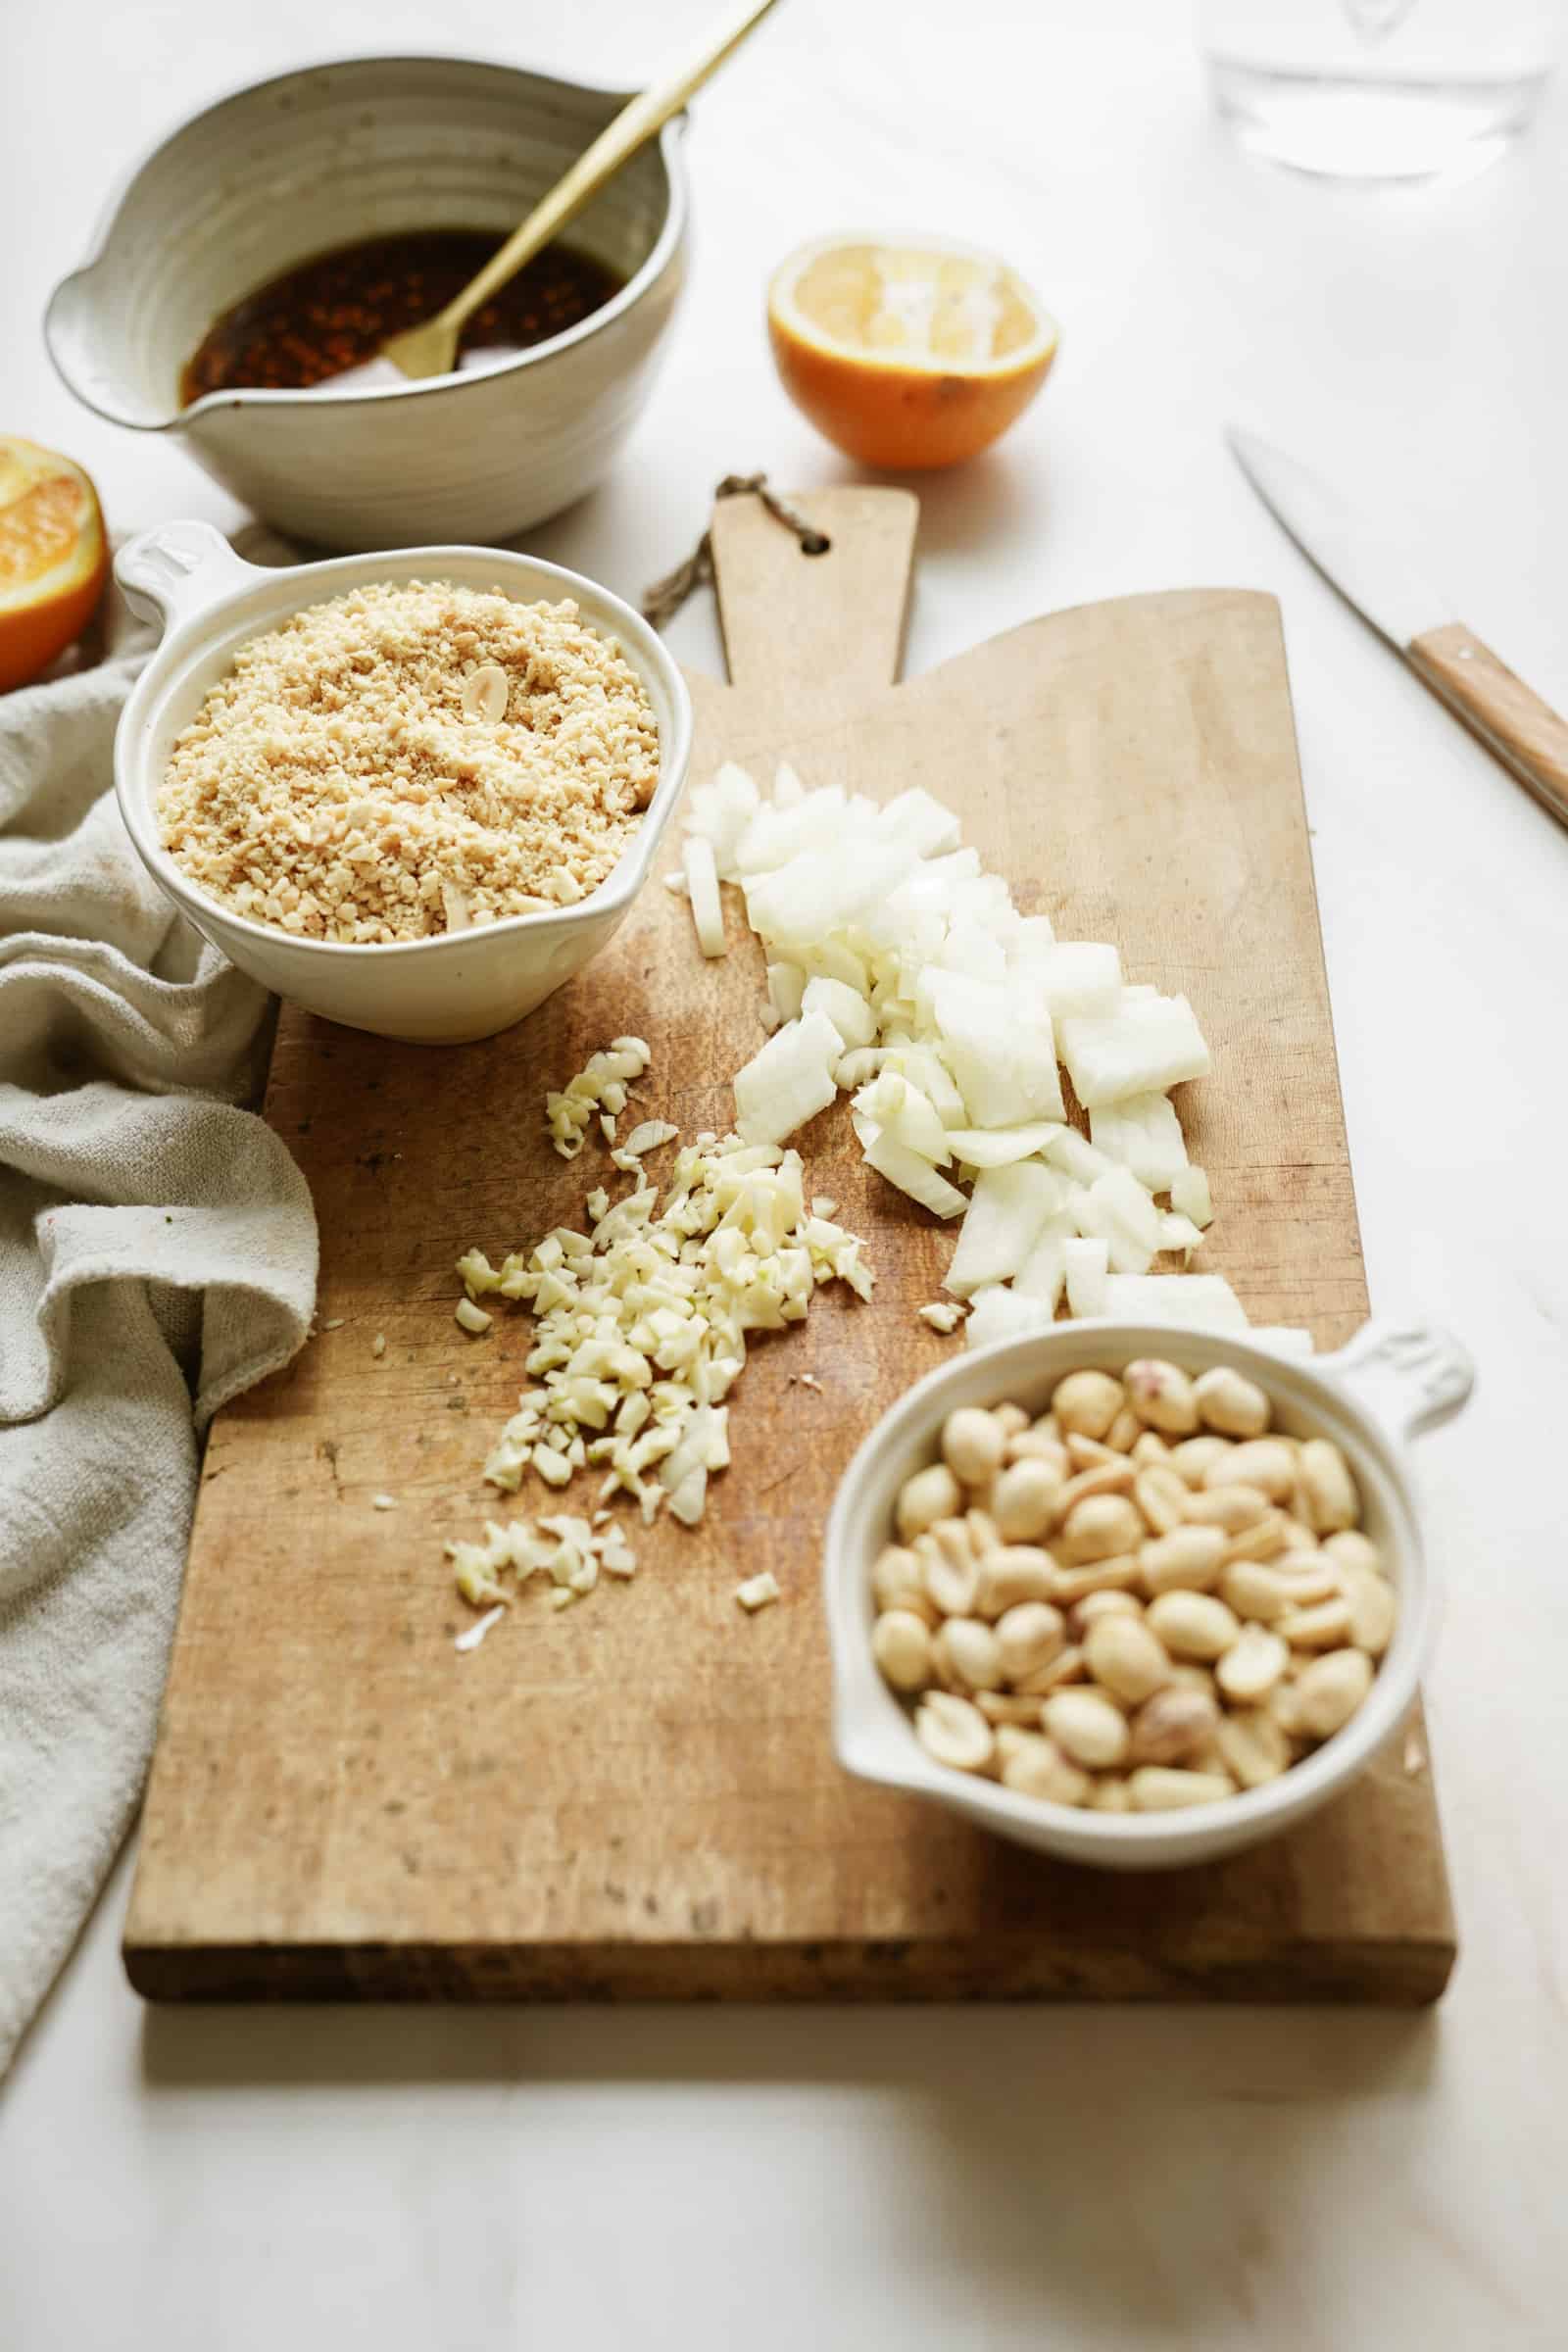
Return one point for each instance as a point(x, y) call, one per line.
point(664, 599)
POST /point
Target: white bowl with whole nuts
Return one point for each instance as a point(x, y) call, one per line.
point(1136, 1597)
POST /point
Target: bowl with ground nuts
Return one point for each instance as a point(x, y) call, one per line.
point(1135, 1597)
point(414, 793)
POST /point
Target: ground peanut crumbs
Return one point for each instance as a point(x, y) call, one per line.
point(341, 784)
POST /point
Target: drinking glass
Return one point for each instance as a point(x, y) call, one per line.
point(1378, 90)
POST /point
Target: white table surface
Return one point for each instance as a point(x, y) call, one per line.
point(210, 2181)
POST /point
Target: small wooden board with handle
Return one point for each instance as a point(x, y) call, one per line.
point(635, 1798)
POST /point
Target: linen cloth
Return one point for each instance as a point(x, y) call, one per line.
point(156, 1255)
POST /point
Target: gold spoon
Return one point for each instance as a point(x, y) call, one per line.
point(431, 349)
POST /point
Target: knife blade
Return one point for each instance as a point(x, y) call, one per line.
point(1386, 582)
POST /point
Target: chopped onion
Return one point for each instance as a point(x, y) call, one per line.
point(1085, 1265)
point(1006, 1069)
point(845, 1007)
point(1184, 1302)
point(719, 813)
point(1126, 1219)
point(1145, 1134)
point(922, 824)
point(1079, 977)
point(1146, 1046)
point(999, 1146)
point(1043, 1271)
point(1068, 1151)
point(912, 1174)
point(1006, 1211)
point(702, 882)
point(786, 988)
point(1285, 1339)
point(949, 1010)
point(789, 1081)
point(1189, 1197)
point(903, 1111)
point(996, 1314)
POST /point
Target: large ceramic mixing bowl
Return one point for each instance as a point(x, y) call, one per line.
point(281, 171)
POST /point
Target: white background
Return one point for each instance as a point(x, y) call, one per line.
point(215, 2181)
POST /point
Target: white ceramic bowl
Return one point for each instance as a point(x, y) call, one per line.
point(1386, 1385)
point(429, 991)
point(284, 170)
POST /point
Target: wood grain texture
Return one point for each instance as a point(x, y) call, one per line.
point(1508, 716)
point(636, 1798)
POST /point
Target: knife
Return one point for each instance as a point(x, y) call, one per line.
point(1384, 582)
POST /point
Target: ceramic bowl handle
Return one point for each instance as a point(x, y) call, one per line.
point(178, 569)
point(1410, 1376)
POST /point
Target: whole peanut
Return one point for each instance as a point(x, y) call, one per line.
point(1331, 1688)
point(1372, 1608)
point(1012, 1417)
point(1126, 1659)
point(951, 1570)
point(901, 1644)
point(1088, 1402)
point(1028, 1637)
point(932, 1493)
point(1149, 1451)
point(898, 1582)
point(1015, 1573)
point(1252, 1747)
point(1034, 1766)
point(1194, 1456)
point(1086, 1727)
point(1187, 1559)
point(1266, 1463)
point(1112, 1602)
point(1322, 1627)
point(1347, 1547)
point(1162, 1396)
point(1327, 1487)
point(1024, 1500)
point(1193, 1625)
point(968, 1656)
point(972, 1443)
point(954, 1731)
point(1172, 1727)
point(1252, 1665)
point(1232, 1508)
point(1231, 1405)
point(1099, 1528)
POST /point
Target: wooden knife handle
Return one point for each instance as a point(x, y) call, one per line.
point(1525, 733)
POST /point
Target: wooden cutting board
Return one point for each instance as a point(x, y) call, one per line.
point(635, 1798)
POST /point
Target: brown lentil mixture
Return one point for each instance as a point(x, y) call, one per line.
point(345, 783)
point(338, 309)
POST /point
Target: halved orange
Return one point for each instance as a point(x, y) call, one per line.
point(910, 354)
point(54, 558)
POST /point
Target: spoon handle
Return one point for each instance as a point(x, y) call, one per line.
point(637, 122)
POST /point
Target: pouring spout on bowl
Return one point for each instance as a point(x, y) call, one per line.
point(73, 340)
